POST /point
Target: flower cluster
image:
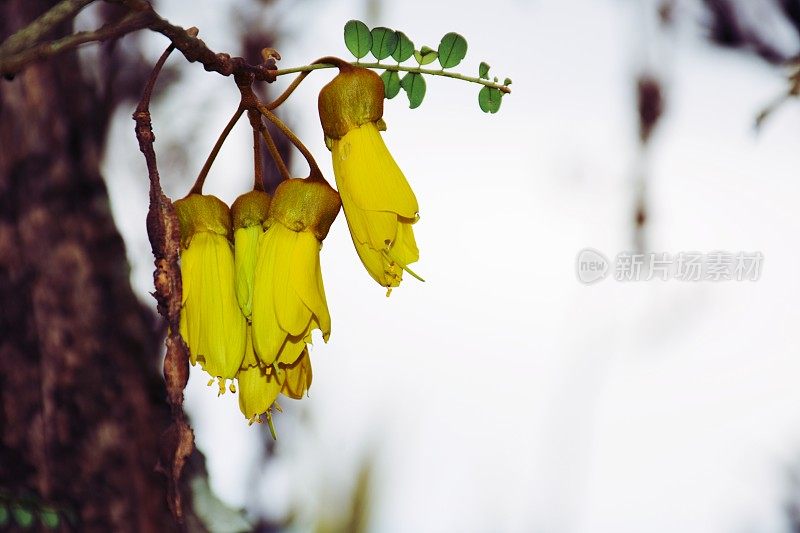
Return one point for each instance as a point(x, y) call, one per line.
point(252, 283)
point(252, 288)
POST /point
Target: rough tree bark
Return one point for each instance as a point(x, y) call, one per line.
point(83, 403)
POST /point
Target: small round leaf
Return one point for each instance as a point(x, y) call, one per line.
point(483, 70)
point(489, 99)
point(507, 82)
point(425, 55)
point(357, 38)
point(405, 48)
point(391, 83)
point(452, 50)
point(384, 42)
point(414, 85)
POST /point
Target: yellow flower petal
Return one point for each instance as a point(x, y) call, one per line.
point(298, 377)
point(268, 336)
point(306, 280)
point(293, 315)
point(257, 391)
point(214, 325)
point(245, 255)
point(364, 167)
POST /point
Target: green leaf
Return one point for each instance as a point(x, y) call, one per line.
point(489, 99)
point(405, 48)
point(452, 50)
point(384, 42)
point(23, 516)
point(483, 70)
point(425, 55)
point(49, 518)
point(414, 85)
point(507, 82)
point(391, 83)
point(4, 515)
point(357, 38)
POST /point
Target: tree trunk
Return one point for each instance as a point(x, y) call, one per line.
point(83, 402)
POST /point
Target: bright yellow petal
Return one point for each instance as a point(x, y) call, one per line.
point(292, 349)
point(368, 173)
point(306, 279)
point(293, 315)
point(257, 391)
point(245, 256)
point(268, 337)
point(298, 377)
point(215, 327)
point(404, 248)
point(250, 358)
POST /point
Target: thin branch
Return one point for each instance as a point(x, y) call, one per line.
point(197, 188)
point(13, 64)
point(258, 163)
point(315, 173)
point(275, 153)
point(142, 15)
point(289, 90)
point(163, 230)
point(33, 32)
point(399, 68)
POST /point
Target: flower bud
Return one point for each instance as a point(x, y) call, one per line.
point(354, 97)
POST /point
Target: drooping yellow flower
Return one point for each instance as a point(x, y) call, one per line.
point(249, 212)
point(211, 322)
point(378, 202)
point(288, 294)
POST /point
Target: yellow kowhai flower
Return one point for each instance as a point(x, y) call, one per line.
point(288, 294)
point(378, 202)
point(249, 212)
point(211, 322)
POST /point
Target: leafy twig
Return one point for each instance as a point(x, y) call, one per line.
point(400, 68)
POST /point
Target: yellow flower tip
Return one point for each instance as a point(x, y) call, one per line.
point(202, 212)
point(210, 382)
point(354, 97)
point(250, 209)
point(232, 387)
point(306, 205)
point(298, 377)
point(257, 391)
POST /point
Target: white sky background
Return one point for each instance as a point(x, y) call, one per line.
point(503, 395)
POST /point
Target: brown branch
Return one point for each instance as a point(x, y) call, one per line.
point(142, 16)
point(163, 231)
point(30, 34)
point(13, 64)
